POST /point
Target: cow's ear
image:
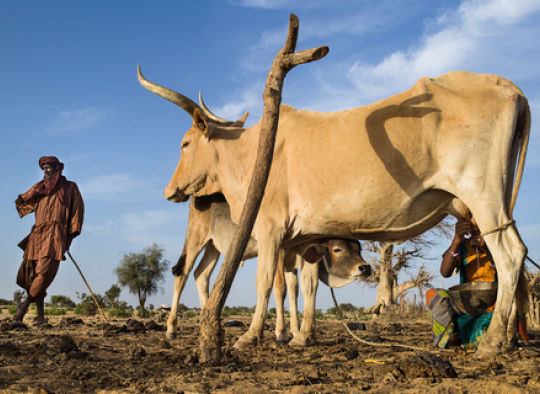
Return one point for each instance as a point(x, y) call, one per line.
point(313, 253)
point(199, 121)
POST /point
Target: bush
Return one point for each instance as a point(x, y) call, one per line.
point(12, 310)
point(87, 306)
point(269, 315)
point(319, 315)
point(146, 314)
point(55, 311)
point(121, 312)
point(189, 314)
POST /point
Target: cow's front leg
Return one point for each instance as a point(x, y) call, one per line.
point(266, 269)
point(309, 281)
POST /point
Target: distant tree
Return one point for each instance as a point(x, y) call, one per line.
point(151, 307)
point(388, 262)
point(182, 308)
point(112, 296)
point(272, 310)
point(62, 301)
point(18, 296)
point(142, 272)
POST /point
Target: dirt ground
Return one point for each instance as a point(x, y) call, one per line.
point(71, 354)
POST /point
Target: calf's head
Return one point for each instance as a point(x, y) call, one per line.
point(341, 261)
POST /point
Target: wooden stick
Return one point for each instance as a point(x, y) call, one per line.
point(212, 336)
point(89, 289)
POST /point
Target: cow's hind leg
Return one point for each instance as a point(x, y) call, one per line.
point(508, 253)
point(280, 292)
point(292, 288)
point(204, 271)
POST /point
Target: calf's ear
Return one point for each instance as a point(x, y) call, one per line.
point(313, 253)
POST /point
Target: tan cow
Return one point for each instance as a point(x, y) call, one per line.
point(385, 171)
point(211, 229)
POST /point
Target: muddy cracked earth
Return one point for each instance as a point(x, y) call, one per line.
point(82, 355)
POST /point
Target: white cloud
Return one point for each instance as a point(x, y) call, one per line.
point(467, 38)
point(77, 119)
point(144, 228)
point(117, 187)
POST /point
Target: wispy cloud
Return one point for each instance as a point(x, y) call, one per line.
point(77, 119)
point(144, 228)
point(117, 187)
point(466, 38)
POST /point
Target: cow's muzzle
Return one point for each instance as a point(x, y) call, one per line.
point(173, 194)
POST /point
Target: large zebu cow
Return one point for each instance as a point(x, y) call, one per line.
point(386, 171)
point(211, 229)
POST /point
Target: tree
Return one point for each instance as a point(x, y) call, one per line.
point(112, 296)
point(387, 263)
point(142, 272)
point(62, 301)
point(18, 295)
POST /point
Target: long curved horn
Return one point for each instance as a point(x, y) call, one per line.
point(209, 115)
point(183, 102)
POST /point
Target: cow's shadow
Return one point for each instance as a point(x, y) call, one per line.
point(392, 159)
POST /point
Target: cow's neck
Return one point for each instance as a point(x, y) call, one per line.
point(236, 159)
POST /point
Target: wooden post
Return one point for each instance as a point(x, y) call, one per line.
point(211, 337)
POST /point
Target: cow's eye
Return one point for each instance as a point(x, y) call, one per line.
point(337, 250)
point(185, 144)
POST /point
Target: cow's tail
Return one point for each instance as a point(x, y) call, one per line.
point(522, 132)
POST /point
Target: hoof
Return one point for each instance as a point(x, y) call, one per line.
point(298, 343)
point(485, 352)
point(170, 336)
point(245, 342)
point(282, 343)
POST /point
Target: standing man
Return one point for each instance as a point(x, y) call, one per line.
point(59, 210)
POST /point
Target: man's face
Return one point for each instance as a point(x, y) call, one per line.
point(48, 170)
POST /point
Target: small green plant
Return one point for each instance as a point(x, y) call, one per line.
point(147, 313)
point(269, 315)
point(54, 311)
point(121, 312)
point(87, 306)
point(12, 310)
point(189, 314)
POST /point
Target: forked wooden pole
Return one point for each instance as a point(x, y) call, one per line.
point(211, 338)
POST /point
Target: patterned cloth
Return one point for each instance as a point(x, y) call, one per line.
point(56, 223)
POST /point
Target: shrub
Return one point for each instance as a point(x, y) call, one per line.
point(12, 310)
point(269, 316)
point(146, 313)
point(319, 315)
point(189, 314)
point(55, 311)
point(87, 306)
point(121, 312)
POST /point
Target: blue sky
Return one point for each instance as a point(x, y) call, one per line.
point(69, 88)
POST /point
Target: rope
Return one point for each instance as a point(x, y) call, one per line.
point(423, 349)
point(501, 227)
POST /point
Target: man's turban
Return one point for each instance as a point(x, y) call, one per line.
point(51, 160)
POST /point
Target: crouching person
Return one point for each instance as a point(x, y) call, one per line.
point(473, 261)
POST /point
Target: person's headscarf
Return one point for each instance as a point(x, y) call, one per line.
point(47, 186)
